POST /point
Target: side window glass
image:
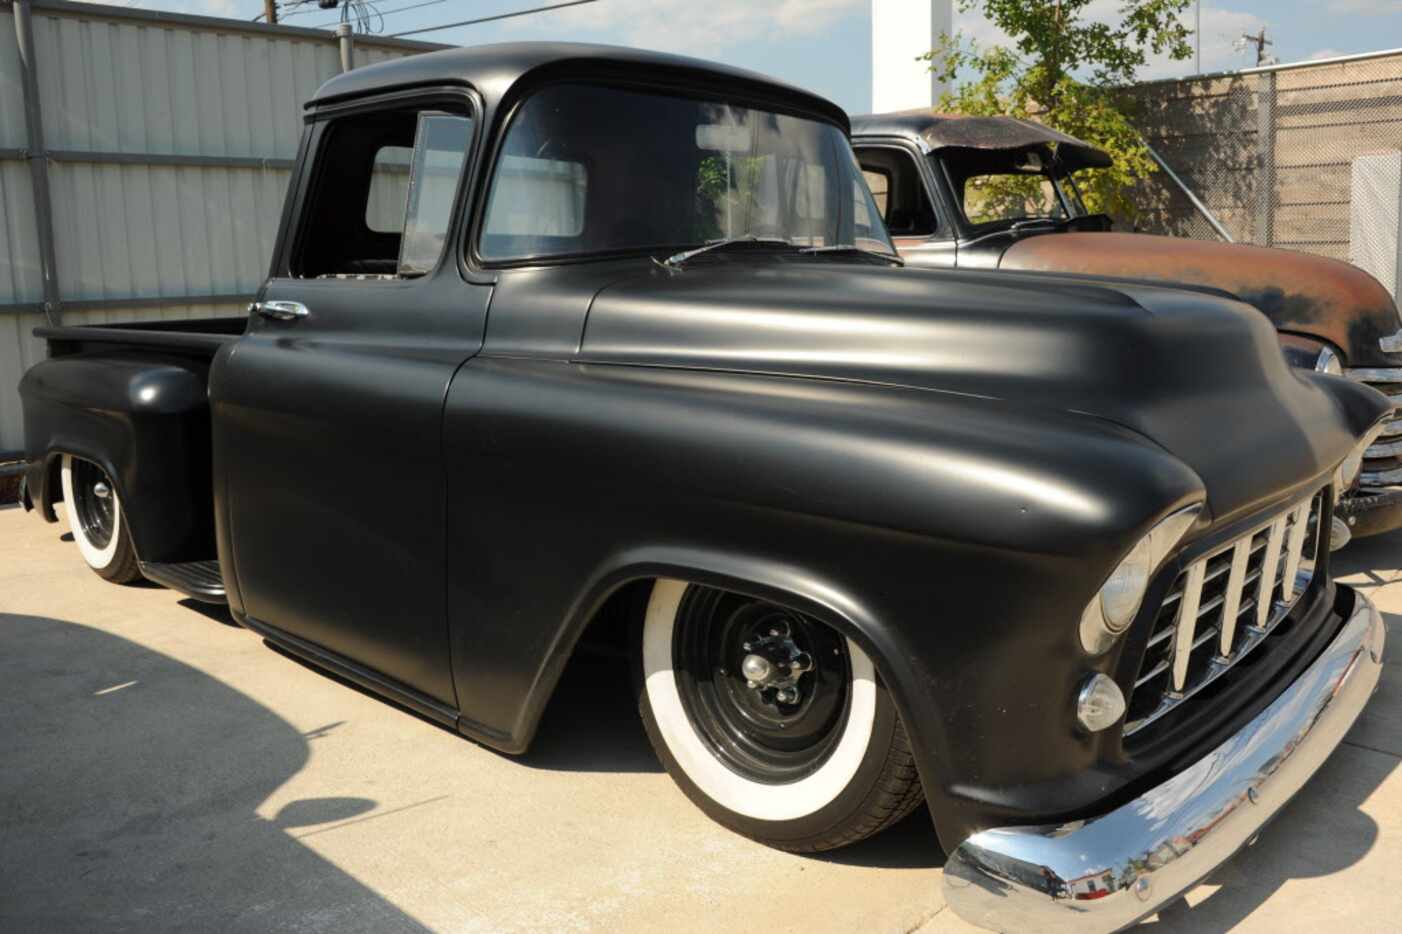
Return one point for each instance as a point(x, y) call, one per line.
point(389, 189)
point(899, 192)
point(440, 149)
point(880, 184)
point(384, 186)
point(910, 214)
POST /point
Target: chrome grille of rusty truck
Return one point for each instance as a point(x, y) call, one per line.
point(1222, 607)
point(1382, 462)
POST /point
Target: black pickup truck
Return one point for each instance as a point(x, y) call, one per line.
point(567, 343)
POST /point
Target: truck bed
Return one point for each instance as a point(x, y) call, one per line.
point(201, 336)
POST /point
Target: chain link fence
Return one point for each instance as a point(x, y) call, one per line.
point(1303, 157)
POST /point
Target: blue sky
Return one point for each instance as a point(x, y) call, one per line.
point(825, 45)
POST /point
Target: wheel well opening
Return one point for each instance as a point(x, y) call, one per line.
point(590, 721)
point(610, 631)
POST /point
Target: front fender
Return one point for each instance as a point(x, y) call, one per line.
point(143, 418)
point(956, 538)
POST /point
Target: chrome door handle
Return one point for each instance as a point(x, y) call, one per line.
point(280, 311)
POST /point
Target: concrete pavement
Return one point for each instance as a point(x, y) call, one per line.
point(161, 769)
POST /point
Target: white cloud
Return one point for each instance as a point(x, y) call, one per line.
point(1324, 53)
point(692, 27)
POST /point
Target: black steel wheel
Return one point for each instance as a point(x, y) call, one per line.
point(779, 721)
point(771, 721)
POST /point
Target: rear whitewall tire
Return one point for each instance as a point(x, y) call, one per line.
point(113, 560)
point(866, 782)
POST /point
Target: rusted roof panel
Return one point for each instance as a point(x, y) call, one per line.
point(936, 131)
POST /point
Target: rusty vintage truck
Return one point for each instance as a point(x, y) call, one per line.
point(928, 172)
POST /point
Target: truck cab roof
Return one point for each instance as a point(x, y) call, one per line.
point(495, 70)
point(933, 131)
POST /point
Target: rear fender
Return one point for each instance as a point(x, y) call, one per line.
point(144, 419)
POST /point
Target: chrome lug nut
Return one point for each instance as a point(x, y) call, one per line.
point(756, 668)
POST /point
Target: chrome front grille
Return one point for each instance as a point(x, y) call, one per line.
point(1221, 607)
point(1382, 462)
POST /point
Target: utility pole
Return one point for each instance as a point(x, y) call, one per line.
point(270, 11)
point(1197, 34)
point(1260, 42)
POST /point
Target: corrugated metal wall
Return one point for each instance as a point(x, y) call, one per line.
point(127, 96)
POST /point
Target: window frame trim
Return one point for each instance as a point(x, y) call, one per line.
point(466, 101)
point(474, 264)
point(945, 229)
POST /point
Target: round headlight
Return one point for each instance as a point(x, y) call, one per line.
point(1115, 605)
point(1328, 362)
point(1119, 598)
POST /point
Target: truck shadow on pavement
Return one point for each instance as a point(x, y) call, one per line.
point(592, 725)
point(130, 790)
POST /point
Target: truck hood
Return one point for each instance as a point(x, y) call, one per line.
point(1299, 292)
point(1200, 375)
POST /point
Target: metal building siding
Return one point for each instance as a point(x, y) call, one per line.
point(12, 132)
point(19, 255)
point(139, 88)
point(126, 231)
point(137, 83)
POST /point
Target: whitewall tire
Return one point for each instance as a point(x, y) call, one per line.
point(810, 756)
point(94, 513)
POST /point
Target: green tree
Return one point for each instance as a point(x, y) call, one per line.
point(1069, 72)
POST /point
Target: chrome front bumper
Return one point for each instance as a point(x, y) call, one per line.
point(1105, 873)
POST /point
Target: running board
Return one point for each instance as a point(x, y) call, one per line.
point(201, 580)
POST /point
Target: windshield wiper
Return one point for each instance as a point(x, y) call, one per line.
point(1030, 223)
point(677, 259)
point(849, 248)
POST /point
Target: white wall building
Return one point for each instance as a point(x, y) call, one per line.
point(902, 31)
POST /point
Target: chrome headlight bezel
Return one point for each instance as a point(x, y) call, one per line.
point(1328, 362)
point(1118, 600)
point(1350, 467)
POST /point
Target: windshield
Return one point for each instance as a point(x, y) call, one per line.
point(1000, 187)
point(590, 169)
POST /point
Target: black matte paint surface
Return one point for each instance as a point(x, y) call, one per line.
point(432, 485)
point(142, 416)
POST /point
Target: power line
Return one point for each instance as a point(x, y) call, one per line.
point(283, 9)
point(488, 19)
point(398, 9)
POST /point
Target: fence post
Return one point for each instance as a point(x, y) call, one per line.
point(347, 38)
point(1397, 278)
point(1265, 159)
point(38, 158)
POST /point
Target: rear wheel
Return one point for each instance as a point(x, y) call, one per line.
point(95, 517)
point(771, 721)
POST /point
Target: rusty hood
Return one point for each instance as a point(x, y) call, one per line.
point(1300, 292)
